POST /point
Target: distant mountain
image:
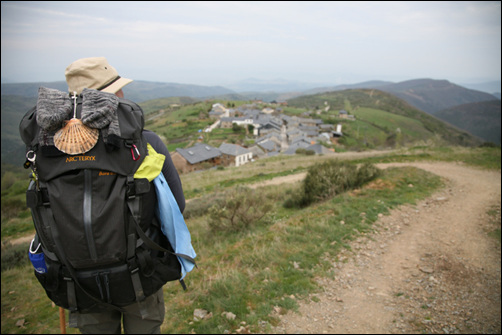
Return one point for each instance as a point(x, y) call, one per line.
point(13, 109)
point(137, 91)
point(479, 118)
point(140, 91)
point(492, 87)
point(431, 95)
point(31, 89)
point(277, 85)
point(267, 90)
point(366, 84)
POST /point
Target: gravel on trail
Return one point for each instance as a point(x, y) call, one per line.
point(431, 267)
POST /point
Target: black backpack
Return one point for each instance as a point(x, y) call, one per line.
point(101, 242)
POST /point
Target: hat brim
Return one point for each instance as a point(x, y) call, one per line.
point(117, 86)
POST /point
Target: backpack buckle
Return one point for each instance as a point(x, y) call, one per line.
point(131, 188)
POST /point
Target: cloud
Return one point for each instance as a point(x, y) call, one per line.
point(426, 39)
point(144, 28)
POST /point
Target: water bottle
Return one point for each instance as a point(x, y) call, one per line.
point(37, 256)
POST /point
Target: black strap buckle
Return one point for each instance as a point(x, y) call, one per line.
point(131, 188)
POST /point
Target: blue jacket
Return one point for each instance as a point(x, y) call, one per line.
point(173, 224)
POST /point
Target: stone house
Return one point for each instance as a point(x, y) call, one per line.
point(199, 157)
point(234, 155)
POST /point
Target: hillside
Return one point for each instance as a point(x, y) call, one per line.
point(154, 105)
point(431, 96)
point(360, 134)
point(31, 89)
point(366, 84)
point(13, 109)
point(381, 121)
point(140, 91)
point(480, 118)
point(382, 112)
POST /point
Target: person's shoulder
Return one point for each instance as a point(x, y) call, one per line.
point(150, 134)
point(154, 139)
point(129, 103)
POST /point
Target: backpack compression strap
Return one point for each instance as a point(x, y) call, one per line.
point(133, 203)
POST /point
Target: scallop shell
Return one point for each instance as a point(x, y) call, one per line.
point(75, 137)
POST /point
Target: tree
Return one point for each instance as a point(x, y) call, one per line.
point(236, 128)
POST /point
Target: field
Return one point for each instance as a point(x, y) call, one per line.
point(255, 272)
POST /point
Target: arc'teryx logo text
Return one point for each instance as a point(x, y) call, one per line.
point(80, 159)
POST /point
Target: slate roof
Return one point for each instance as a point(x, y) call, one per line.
point(268, 145)
point(319, 149)
point(199, 153)
point(233, 149)
point(297, 145)
point(269, 136)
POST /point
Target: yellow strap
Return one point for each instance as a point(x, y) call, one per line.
point(151, 166)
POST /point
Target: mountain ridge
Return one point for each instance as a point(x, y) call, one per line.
point(142, 90)
point(481, 119)
point(357, 101)
point(428, 95)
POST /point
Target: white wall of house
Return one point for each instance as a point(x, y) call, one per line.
point(212, 127)
point(243, 159)
point(243, 122)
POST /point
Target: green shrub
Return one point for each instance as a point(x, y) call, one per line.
point(365, 173)
point(303, 151)
point(325, 180)
point(238, 210)
point(14, 256)
point(200, 206)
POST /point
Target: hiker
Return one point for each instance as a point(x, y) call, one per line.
point(96, 73)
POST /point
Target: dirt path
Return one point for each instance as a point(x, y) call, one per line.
point(428, 268)
point(292, 178)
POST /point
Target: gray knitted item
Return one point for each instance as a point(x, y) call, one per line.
point(99, 110)
point(53, 108)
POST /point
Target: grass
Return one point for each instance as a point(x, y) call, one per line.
point(255, 273)
point(390, 122)
point(494, 218)
point(250, 272)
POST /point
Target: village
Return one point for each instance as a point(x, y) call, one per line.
point(274, 133)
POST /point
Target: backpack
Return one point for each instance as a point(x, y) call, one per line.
point(98, 243)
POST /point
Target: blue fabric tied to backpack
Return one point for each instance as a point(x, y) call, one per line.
point(37, 257)
point(173, 224)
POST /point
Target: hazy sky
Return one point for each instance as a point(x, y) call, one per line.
point(213, 43)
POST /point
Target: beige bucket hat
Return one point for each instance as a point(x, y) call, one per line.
point(95, 73)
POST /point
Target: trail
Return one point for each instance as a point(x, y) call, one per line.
point(427, 268)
